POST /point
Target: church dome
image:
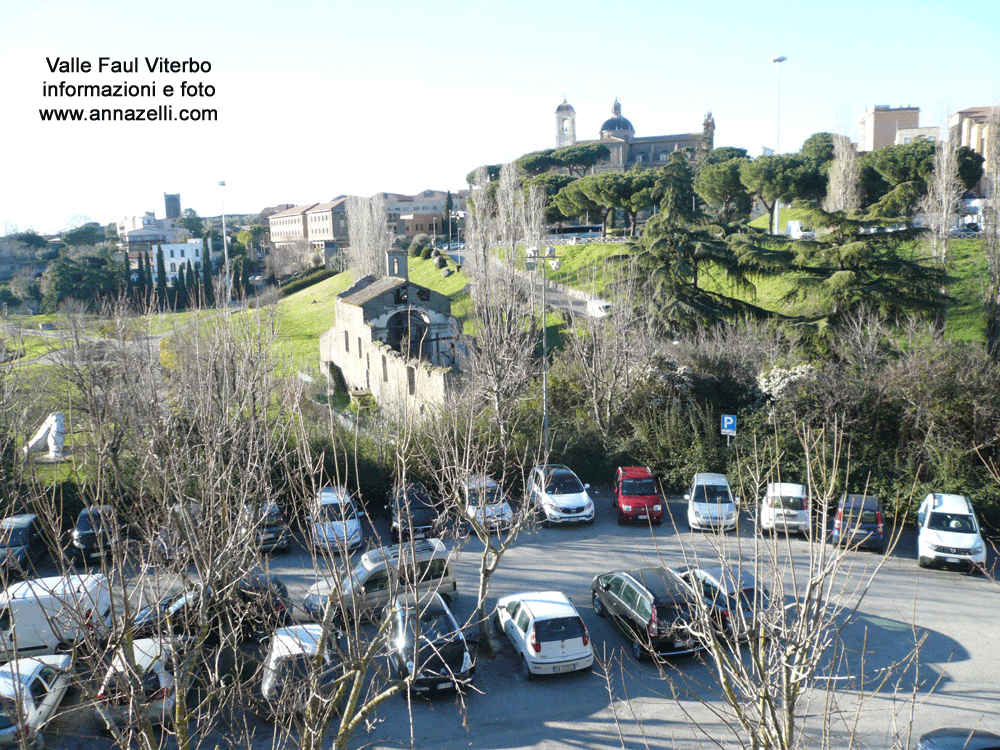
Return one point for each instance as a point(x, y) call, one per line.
point(616, 123)
point(565, 107)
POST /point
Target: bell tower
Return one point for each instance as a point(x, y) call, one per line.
point(565, 124)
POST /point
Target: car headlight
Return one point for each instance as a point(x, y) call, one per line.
point(977, 548)
point(626, 508)
point(657, 508)
point(409, 666)
point(466, 662)
point(936, 548)
point(697, 514)
point(730, 514)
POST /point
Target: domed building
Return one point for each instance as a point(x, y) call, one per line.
point(627, 150)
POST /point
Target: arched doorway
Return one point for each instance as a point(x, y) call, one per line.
point(407, 332)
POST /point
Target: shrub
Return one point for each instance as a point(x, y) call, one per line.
point(425, 254)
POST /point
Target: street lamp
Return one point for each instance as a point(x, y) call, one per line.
point(777, 123)
point(225, 248)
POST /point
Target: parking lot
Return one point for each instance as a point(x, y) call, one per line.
point(624, 702)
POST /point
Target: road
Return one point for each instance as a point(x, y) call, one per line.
point(634, 704)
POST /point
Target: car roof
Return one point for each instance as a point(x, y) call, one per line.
point(730, 580)
point(660, 582)
point(22, 670)
point(426, 602)
point(479, 482)
point(410, 550)
point(145, 651)
point(545, 605)
point(786, 489)
point(333, 496)
point(35, 588)
point(860, 501)
point(553, 468)
point(710, 478)
point(634, 472)
point(13, 522)
point(950, 503)
point(296, 639)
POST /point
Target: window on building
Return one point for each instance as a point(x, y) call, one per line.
point(173, 268)
point(385, 369)
point(359, 347)
point(411, 380)
point(347, 341)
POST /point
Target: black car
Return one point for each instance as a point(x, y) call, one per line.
point(731, 598)
point(425, 642)
point(267, 523)
point(21, 543)
point(959, 739)
point(414, 513)
point(651, 607)
point(261, 604)
point(96, 535)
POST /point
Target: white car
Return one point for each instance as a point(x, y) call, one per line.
point(335, 523)
point(288, 667)
point(484, 503)
point(30, 692)
point(711, 504)
point(155, 661)
point(559, 494)
point(785, 507)
point(949, 533)
point(546, 631)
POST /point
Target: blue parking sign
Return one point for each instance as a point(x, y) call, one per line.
point(729, 424)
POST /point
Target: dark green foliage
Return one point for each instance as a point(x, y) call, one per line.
point(492, 174)
point(818, 147)
point(162, 299)
point(301, 282)
point(31, 240)
point(192, 222)
point(578, 159)
point(724, 153)
point(537, 162)
point(89, 234)
point(550, 184)
point(720, 186)
point(425, 253)
point(90, 279)
point(207, 287)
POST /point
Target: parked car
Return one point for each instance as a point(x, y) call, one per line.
point(546, 631)
point(381, 574)
point(22, 543)
point(267, 523)
point(484, 502)
point(178, 535)
point(149, 690)
point(335, 522)
point(959, 739)
point(650, 606)
point(96, 535)
point(427, 645)
point(710, 503)
point(30, 692)
point(785, 507)
point(414, 514)
point(294, 666)
point(637, 497)
point(559, 494)
point(730, 598)
point(858, 522)
point(948, 533)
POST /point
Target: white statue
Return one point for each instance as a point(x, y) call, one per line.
point(51, 434)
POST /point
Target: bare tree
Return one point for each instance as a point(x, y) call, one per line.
point(944, 188)
point(991, 232)
point(842, 192)
point(368, 225)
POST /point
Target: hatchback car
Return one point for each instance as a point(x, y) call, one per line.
point(147, 689)
point(651, 607)
point(30, 692)
point(427, 646)
point(710, 503)
point(97, 533)
point(294, 667)
point(546, 631)
point(948, 533)
point(559, 494)
point(785, 507)
point(637, 497)
point(22, 543)
point(858, 522)
point(266, 523)
point(413, 512)
point(729, 599)
point(484, 503)
point(335, 522)
point(959, 739)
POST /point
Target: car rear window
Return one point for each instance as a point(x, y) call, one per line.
point(559, 629)
point(789, 502)
point(857, 515)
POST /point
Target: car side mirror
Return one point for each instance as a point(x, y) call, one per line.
point(309, 519)
point(736, 500)
point(920, 519)
point(604, 585)
point(687, 497)
point(360, 511)
point(586, 486)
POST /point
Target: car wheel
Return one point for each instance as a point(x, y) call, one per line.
point(598, 605)
point(496, 623)
point(923, 562)
point(621, 519)
point(658, 521)
point(526, 670)
point(638, 650)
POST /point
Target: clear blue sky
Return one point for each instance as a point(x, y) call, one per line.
point(316, 99)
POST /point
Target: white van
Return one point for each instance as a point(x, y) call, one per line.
point(384, 572)
point(598, 308)
point(48, 615)
point(785, 507)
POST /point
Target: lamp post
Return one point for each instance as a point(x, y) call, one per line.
point(777, 123)
point(225, 248)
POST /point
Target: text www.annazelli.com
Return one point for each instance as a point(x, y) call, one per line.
point(162, 113)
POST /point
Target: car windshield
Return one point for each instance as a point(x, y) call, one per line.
point(748, 598)
point(960, 523)
point(435, 625)
point(414, 500)
point(558, 629)
point(711, 493)
point(337, 512)
point(89, 522)
point(638, 487)
point(563, 484)
point(14, 537)
point(790, 502)
point(487, 496)
point(294, 668)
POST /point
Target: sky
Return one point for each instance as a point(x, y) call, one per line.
point(318, 99)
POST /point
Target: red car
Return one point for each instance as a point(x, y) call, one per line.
point(636, 495)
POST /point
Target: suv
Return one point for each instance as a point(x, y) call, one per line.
point(785, 506)
point(31, 690)
point(651, 607)
point(21, 543)
point(484, 502)
point(266, 523)
point(948, 532)
point(335, 523)
point(427, 645)
point(413, 511)
point(546, 631)
point(636, 495)
point(97, 533)
point(858, 522)
point(558, 493)
point(710, 503)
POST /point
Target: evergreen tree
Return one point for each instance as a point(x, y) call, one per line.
point(192, 285)
point(162, 301)
point(180, 290)
point(149, 280)
point(140, 285)
point(208, 293)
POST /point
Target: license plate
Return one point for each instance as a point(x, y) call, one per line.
point(563, 668)
point(953, 559)
point(682, 644)
point(444, 685)
point(642, 517)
